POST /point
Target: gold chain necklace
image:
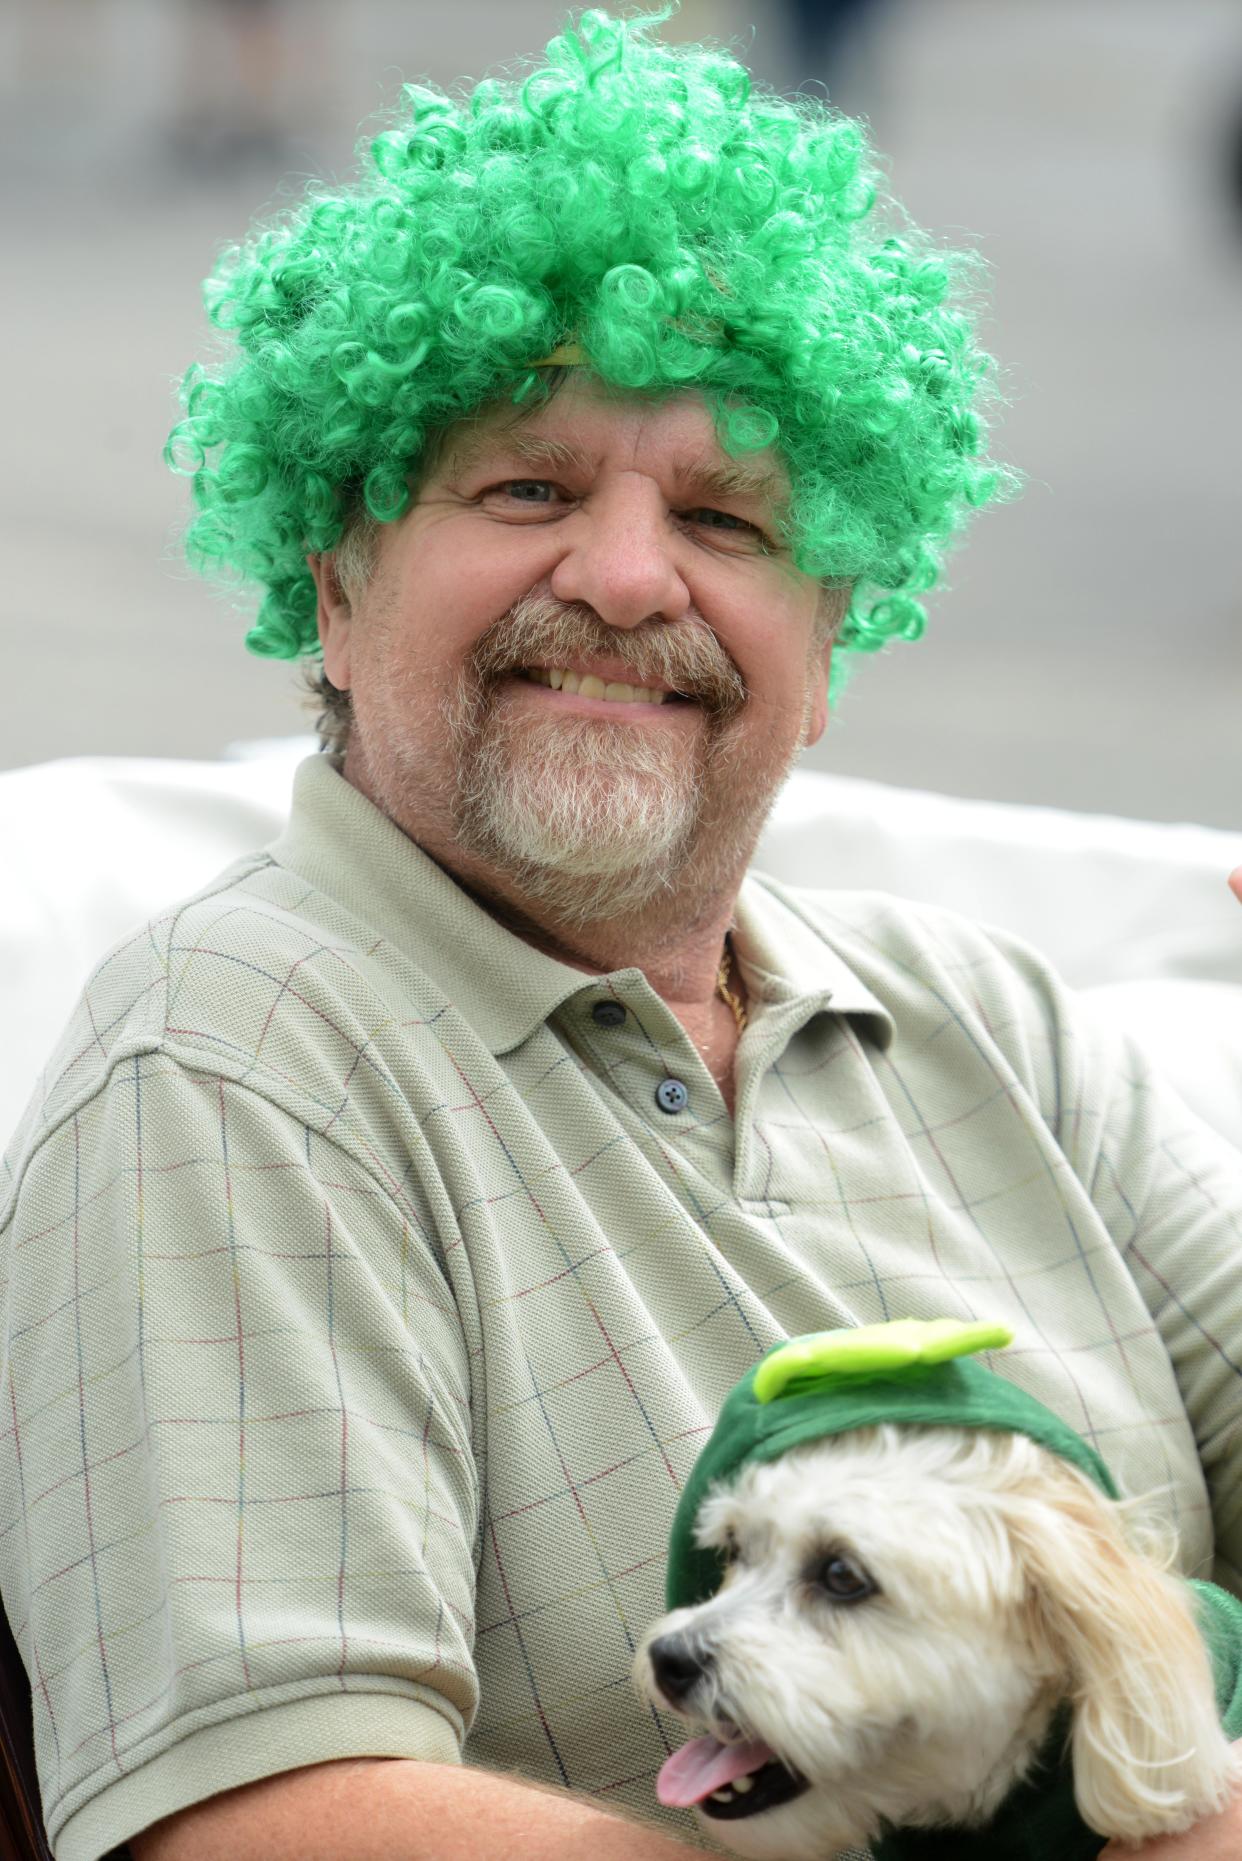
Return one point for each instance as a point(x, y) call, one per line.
point(725, 993)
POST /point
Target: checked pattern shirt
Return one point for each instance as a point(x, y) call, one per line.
point(365, 1308)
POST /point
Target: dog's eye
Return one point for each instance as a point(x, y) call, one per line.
point(842, 1578)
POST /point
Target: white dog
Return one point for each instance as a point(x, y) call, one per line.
point(910, 1621)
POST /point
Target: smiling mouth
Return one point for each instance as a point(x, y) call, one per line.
point(587, 685)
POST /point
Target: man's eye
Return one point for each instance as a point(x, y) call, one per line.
point(727, 524)
point(521, 489)
point(717, 519)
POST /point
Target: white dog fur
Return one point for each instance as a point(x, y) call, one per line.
point(1007, 1586)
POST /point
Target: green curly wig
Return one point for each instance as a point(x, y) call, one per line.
point(687, 231)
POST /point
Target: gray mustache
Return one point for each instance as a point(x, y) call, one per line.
point(684, 655)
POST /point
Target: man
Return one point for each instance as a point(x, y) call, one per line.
point(400, 1209)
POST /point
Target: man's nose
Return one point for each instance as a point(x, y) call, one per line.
point(678, 1665)
point(619, 558)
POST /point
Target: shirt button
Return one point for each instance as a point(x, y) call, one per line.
point(607, 1014)
point(671, 1095)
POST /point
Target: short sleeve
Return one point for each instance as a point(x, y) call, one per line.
point(240, 1503)
point(1169, 1189)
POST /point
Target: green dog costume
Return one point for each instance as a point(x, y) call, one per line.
point(923, 1374)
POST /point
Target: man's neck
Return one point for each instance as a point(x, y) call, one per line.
point(681, 961)
point(677, 946)
point(677, 941)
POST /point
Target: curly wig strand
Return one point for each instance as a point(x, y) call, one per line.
point(686, 230)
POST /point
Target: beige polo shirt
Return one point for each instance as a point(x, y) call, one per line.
point(367, 1302)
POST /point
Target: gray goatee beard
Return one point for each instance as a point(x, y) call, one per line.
point(592, 820)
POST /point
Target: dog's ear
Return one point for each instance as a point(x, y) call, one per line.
point(1148, 1751)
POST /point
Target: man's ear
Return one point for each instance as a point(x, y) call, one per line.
point(817, 707)
point(833, 602)
point(334, 618)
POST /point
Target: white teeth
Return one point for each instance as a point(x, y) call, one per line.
point(722, 1796)
point(743, 1784)
point(587, 685)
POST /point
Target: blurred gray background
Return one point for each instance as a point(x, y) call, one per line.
point(1086, 651)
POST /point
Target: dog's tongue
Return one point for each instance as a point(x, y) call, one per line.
point(705, 1765)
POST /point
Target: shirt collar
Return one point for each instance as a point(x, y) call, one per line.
point(786, 962)
point(341, 843)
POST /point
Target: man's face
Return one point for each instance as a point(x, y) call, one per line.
point(583, 661)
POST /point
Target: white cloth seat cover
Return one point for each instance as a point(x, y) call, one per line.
point(1137, 913)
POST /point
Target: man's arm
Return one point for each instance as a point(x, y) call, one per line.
point(396, 1809)
point(1217, 1838)
point(269, 1471)
point(1170, 1189)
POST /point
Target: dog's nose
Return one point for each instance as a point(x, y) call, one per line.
point(677, 1665)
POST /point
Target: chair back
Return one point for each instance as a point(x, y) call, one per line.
point(22, 1834)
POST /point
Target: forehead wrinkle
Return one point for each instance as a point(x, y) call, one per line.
point(702, 474)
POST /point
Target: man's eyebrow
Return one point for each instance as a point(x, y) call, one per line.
point(708, 477)
point(731, 479)
point(516, 446)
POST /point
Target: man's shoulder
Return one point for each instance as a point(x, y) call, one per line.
point(205, 981)
point(920, 962)
point(886, 933)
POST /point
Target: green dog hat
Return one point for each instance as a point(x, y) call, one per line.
point(915, 1372)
